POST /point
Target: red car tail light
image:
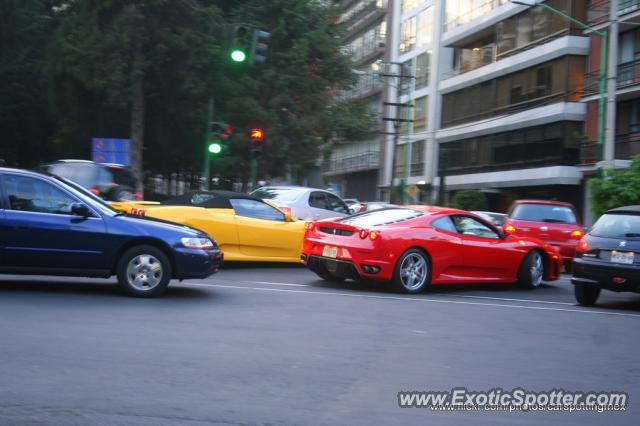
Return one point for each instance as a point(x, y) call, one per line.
point(373, 235)
point(95, 191)
point(510, 229)
point(364, 233)
point(582, 246)
point(577, 234)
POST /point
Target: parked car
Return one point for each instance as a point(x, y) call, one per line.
point(52, 226)
point(417, 247)
point(113, 182)
point(246, 227)
point(304, 203)
point(553, 222)
point(494, 217)
point(608, 257)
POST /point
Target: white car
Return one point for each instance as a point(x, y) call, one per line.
point(304, 203)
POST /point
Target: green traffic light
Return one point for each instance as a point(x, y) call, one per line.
point(215, 148)
point(238, 55)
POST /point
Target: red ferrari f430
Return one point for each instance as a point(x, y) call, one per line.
point(424, 245)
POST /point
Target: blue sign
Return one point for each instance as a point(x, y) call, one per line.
point(116, 151)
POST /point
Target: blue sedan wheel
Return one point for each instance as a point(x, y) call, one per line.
point(144, 271)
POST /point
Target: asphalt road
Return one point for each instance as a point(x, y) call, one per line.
point(275, 346)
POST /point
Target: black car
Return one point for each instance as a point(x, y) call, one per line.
point(112, 182)
point(608, 257)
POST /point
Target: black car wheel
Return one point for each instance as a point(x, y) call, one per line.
point(413, 271)
point(531, 270)
point(144, 271)
point(586, 295)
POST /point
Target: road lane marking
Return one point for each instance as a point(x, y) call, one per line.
point(506, 299)
point(422, 299)
point(272, 283)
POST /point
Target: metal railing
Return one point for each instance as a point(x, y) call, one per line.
point(368, 48)
point(626, 147)
point(473, 14)
point(367, 85)
point(360, 10)
point(598, 11)
point(364, 161)
point(628, 75)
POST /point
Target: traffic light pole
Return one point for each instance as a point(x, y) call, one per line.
point(207, 171)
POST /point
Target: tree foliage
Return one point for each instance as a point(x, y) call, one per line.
point(469, 199)
point(616, 188)
point(78, 69)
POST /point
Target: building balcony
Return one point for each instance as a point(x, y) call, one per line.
point(367, 85)
point(355, 163)
point(628, 12)
point(626, 147)
point(362, 14)
point(628, 79)
point(369, 50)
point(472, 14)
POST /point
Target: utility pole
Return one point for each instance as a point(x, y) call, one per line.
point(205, 145)
point(610, 137)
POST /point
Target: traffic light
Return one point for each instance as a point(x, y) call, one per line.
point(256, 134)
point(240, 43)
point(218, 133)
point(215, 148)
point(259, 46)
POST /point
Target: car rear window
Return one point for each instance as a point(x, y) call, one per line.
point(544, 213)
point(617, 226)
point(278, 194)
point(381, 217)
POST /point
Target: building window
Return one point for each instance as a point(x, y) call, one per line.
point(531, 26)
point(420, 110)
point(407, 5)
point(539, 146)
point(400, 161)
point(408, 35)
point(553, 81)
point(424, 31)
point(422, 69)
point(417, 158)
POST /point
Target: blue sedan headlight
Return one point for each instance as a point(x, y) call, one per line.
point(198, 243)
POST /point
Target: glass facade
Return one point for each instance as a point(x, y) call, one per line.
point(459, 12)
point(416, 31)
point(420, 111)
point(554, 81)
point(417, 158)
point(548, 145)
point(422, 69)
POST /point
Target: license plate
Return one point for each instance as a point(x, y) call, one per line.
point(622, 257)
point(328, 251)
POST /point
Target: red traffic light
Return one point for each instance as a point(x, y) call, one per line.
point(256, 134)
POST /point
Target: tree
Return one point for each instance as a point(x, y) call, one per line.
point(130, 55)
point(469, 199)
point(616, 188)
point(25, 125)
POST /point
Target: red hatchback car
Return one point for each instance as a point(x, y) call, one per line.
point(418, 246)
point(553, 222)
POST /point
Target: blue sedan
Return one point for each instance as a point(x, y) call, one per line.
point(49, 226)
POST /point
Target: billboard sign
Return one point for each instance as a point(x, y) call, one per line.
point(109, 150)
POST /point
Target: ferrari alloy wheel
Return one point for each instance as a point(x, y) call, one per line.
point(144, 271)
point(586, 295)
point(413, 271)
point(531, 271)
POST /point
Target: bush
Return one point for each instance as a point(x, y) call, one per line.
point(616, 188)
point(469, 199)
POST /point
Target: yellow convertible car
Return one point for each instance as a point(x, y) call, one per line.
point(245, 227)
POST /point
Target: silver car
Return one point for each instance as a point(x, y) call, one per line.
point(304, 203)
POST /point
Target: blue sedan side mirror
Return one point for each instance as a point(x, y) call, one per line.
point(79, 209)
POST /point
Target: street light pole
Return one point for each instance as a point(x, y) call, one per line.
point(604, 92)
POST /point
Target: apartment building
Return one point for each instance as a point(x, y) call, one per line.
point(353, 165)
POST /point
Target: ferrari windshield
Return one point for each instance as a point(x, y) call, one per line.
point(381, 217)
